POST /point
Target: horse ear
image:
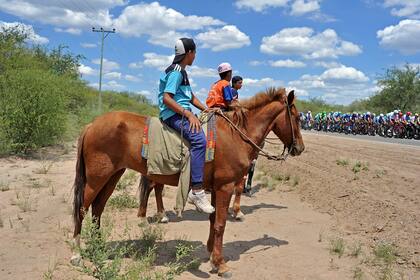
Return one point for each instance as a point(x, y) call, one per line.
point(291, 97)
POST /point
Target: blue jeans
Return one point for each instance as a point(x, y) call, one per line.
point(198, 146)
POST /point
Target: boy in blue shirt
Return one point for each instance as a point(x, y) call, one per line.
point(175, 99)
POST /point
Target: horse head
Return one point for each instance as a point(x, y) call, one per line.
point(287, 126)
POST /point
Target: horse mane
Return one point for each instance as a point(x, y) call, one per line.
point(238, 112)
point(262, 98)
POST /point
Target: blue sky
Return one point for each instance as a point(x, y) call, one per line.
point(334, 50)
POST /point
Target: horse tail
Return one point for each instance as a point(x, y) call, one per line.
point(143, 188)
point(79, 180)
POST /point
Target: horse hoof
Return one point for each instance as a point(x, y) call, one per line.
point(238, 216)
point(76, 260)
point(164, 219)
point(226, 275)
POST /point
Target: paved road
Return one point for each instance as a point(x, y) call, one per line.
point(410, 142)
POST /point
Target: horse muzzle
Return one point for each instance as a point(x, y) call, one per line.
point(296, 150)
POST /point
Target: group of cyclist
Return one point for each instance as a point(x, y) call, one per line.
point(393, 124)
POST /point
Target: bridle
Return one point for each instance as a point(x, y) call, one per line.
point(294, 141)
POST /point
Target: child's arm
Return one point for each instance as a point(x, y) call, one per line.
point(197, 103)
point(227, 94)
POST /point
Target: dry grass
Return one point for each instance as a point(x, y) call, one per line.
point(337, 246)
point(4, 186)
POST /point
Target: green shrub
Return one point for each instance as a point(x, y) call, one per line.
point(32, 109)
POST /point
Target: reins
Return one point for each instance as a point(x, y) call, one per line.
point(261, 151)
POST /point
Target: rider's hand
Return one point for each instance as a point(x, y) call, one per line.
point(195, 125)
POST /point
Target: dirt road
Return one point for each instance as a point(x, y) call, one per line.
point(339, 191)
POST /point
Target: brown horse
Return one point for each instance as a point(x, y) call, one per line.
point(146, 186)
point(113, 143)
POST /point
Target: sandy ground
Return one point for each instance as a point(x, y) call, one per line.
point(288, 227)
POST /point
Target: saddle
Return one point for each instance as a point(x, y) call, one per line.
point(167, 153)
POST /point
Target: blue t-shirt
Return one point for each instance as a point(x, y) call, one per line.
point(174, 81)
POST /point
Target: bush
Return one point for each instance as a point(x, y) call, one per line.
point(32, 110)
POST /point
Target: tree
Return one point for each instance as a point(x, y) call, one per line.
point(400, 90)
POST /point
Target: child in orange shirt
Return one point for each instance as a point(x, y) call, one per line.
point(221, 95)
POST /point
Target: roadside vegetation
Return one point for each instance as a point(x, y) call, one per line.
point(43, 99)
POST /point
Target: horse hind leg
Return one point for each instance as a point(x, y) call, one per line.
point(222, 204)
point(98, 204)
point(92, 190)
point(145, 187)
point(162, 218)
point(237, 213)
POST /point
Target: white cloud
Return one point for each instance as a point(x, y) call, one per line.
point(298, 92)
point(75, 13)
point(308, 82)
point(192, 82)
point(256, 63)
point(113, 85)
point(404, 8)
point(227, 37)
point(344, 73)
point(112, 75)
point(300, 7)
point(107, 65)
point(157, 61)
point(260, 5)
point(340, 85)
point(304, 42)
point(261, 83)
point(131, 78)
point(27, 29)
point(295, 7)
point(287, 63)
point(144, 92)
point(87, 71)
point(402, 37)
point(161, 23)
point(415, 65)
point(135, 65)
point(196, 71)
point(203, 92)
point(329, 96)
point(167, 39)
point(327, 64)
point(88, 45)
point(71, 30)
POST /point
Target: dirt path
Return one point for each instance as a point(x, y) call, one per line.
point(308, 202)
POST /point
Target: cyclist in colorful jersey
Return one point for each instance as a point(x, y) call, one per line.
point(309, 116)
point(220, 94)
point(381, 119)
point(407, 117)
point(175, 99)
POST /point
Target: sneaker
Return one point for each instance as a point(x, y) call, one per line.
point(200, 201)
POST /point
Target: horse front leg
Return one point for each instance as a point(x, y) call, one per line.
point(223, 196)
point(161, 216)
point(237, 213)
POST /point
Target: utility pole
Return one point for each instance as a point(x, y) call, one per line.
point(105, 34)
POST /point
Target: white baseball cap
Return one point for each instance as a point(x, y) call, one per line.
point(224, 67)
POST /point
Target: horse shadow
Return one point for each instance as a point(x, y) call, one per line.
point(250, 209)
point(166, 250)
point(193, 215)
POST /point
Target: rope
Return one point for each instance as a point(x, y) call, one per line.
point(262, 152)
